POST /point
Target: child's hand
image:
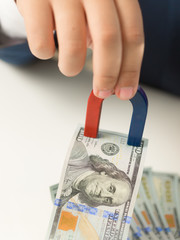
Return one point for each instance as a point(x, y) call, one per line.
point(113, 28)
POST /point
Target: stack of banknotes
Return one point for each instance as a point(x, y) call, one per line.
point(156, 213)
point(157, 209)
point(103, 193)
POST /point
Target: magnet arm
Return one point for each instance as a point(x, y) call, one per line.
point(140, 106)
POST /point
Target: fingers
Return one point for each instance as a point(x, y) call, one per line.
point(133, 47)
point(107, 48)
point(116, 30)
point(39, 26)
point(71, 34)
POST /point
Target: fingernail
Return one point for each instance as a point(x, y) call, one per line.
point(126, 93)
point(103, 94)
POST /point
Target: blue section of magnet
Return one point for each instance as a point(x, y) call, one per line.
point(140, 106)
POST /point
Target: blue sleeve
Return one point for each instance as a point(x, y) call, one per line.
point(161, 63)
point(15, 51)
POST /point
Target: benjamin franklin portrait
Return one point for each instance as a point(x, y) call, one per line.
point(97, 181)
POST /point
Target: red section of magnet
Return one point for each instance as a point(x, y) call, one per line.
point(93, 116)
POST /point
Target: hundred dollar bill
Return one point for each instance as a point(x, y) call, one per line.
point(151, 210)
point(53, 191)
point(177, 198)
point(140, 215)
point(164, 184)
point(137, 229)
point(130, 234)
point(147, 182)
point(98, 188)
point(144, 225)
point(145, 214)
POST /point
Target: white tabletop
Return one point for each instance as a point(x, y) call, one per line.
point(39, 111)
